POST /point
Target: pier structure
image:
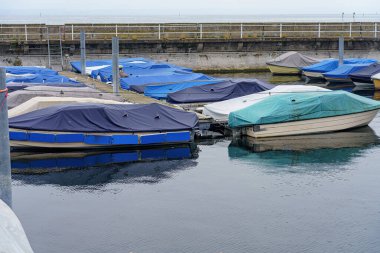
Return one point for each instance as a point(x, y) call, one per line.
point(219, 47)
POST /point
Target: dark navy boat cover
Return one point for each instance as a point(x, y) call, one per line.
point(364, 75)
point(219, 91)
point(103, 118)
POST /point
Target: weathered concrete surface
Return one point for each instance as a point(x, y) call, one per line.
point(217, 55)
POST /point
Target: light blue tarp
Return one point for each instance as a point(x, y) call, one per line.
point(331, 64)
point(41, 79)
point(162, 91)
point(105, 74)
point(133, 62)
point(301, 106)
point(343, 71)
point(161, 79)
point(21, 70)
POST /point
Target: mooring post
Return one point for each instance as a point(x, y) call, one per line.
point(375, 30)
point(341, 50)
point(280, 30)
point(241, 30)
point(319, 30)
point(48, 48)
point(115, 65)
point(83, 52)
point(26, 33)
point(5, 160)
point(200, 31)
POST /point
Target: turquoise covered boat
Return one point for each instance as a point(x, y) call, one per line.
point(304, 113)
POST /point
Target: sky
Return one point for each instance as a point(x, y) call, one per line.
point(189, 7)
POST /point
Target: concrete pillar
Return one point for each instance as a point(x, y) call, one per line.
point(115, 65)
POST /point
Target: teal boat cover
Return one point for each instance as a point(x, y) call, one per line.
point(301, 106)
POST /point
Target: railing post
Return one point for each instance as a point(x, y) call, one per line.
point(200, 31)
point(48, 44)
point(350, 30)
point(72, 32)
point(375, 30)
point(241, 30)
point(26, 33)
point(159, 31)
point(281, 30)
point(319, 30)
point(116, 30)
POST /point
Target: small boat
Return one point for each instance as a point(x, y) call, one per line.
point(376, 81)
point(12, 235)
point(290, 63)
point(38, 103)
point(308, 113)
point(220, 111)
point(363, 77)
point(315, 72)
point(21, 96)
point(88, 125)
point(342, 73)
point(218, 92)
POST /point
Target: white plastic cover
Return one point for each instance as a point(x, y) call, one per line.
point(12, 236)
point(220, 110)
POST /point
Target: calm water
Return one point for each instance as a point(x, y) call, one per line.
point(281, 195)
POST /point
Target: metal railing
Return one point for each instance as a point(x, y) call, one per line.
point(207, 31)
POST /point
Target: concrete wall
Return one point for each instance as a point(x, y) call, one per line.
point(231, 55)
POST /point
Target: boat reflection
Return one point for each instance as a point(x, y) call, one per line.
point(276, 79)
point(102, 167)
point(330, 148)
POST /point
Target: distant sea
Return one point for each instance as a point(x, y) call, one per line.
point(62, 19)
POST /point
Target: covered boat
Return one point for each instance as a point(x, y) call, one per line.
point(342, 73)
point(173, 78)
point(308, 113)
point(376, 81)
point(219, 91)
point(38, 103)
point(20, 86)
point(363, 76)
point(90, 125)
point(161, 91)
point(290, 63)
point(317, 70)
point(220, 111)
point(18, 71)
point(40, 78)
point(18, 97)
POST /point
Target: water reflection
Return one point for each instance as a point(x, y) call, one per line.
point(335, 149)
point(86, 169)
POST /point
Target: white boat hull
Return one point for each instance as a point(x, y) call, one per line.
point(312, 126)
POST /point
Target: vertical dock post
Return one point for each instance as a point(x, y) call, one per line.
point(241, 30)
point(375, 30)
point(341, 50)
point(5, 158)
point(115, 65)
point(200, 31)
point(319, 30)
point(280, 30)
point(83, 52)
point(48, 48)
point(159, 31)
point(26, 33)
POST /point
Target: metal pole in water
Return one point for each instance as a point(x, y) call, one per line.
point(83, 52)
point(5, 159)
point(341, 50)
point(115, 65)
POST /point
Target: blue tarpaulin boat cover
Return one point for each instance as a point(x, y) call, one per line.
point(106, 118)
point(331, 64)
point(162, 91)
point(164, 79)
point(219, 92)
point(343, 71)
point(41, 78)
point(366, 73)
point(21, 70)
point(133, 62)
point(301, 106)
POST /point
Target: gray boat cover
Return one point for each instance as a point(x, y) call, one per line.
point(105, 118)
point(18, 97)
point(20, 86)
point(293, 60)
point(219, 91)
